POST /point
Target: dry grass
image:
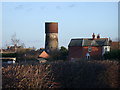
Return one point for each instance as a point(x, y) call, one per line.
point(79, 74)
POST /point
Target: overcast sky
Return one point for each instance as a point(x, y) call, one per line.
point(75, 20)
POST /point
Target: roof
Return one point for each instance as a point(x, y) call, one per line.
point(43, 55)
point(89, 42)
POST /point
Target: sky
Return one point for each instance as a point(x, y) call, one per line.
point(75, 20)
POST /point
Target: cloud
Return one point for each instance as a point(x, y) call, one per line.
point(29, 9)
point(72, 5)
point(33, 41)
point(19, 7)
point(42, 7)
point(69, 6)
point(58, 7)
point(22, 7)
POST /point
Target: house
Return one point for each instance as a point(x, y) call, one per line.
point(13, 48)
point(8, 60)
point(115, 45)
point(93, 47)
point(43, 56)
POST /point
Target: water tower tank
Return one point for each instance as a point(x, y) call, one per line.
point(51, 31)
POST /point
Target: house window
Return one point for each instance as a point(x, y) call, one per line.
point(89, 49)
point(105, 49)
point(93, 42)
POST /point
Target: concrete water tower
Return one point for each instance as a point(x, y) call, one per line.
point(51, 31)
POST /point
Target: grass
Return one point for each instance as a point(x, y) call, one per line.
point(62, 74)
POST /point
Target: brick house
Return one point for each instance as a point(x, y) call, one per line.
point(96, 47)
point(115, 45)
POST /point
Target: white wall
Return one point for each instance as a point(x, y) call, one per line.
point(105, 49)
point(10, 62)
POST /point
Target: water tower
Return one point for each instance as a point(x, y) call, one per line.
point(51, 31)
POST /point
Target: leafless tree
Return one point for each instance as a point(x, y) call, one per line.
point(14, 40)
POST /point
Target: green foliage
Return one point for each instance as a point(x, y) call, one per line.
point(114, 54)
point(54, 55)
point(59, 55)
point(63, 53)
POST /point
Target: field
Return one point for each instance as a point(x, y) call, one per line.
point(62, 74)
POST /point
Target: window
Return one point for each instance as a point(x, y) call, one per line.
point(105, 49)
point(89, 49)
point(93, 42)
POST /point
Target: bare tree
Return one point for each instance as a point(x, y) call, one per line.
point(14, 40)
point(22, 45)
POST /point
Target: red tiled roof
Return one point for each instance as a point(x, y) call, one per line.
point(43, 55)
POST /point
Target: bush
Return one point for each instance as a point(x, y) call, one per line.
point(59, 55)
point(63, 53)
point(64, 74)
point(114, 54)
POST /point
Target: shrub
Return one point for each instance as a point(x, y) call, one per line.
point(61, 54)
point(62, 74)
point(114, 54)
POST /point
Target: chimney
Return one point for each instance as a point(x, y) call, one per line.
point(93, 36)
point(110, 41)
point(98, 36)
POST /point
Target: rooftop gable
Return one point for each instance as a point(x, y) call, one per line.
point(43, 55)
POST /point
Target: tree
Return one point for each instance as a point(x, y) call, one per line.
point(14, 40)
point(22, 45)
point(63, 53)
point(114, 54)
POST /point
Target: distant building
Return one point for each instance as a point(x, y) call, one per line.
point(13, 48)
point(94, 47)
point(16, 48)
point(8, 60)
point(44, 55)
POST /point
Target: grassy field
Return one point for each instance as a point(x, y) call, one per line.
point(62, 74)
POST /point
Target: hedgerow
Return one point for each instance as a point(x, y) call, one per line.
point(62, 74)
